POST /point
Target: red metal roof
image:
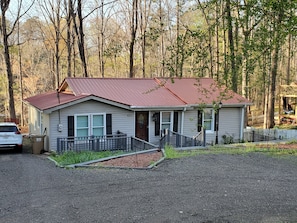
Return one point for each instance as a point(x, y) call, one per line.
point(203, 90)
point(132, 91)
point(136, 92)
point(52, 99)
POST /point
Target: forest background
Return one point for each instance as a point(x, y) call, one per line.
point(247, 45)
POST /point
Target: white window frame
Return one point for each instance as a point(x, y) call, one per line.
point(90, 123)
point(212, 119)
point(170, 122)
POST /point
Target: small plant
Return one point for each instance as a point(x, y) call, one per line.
point(228, 139)
point(69, 158)
point(293, 141)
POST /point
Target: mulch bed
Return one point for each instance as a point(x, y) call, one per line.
point(142, 160)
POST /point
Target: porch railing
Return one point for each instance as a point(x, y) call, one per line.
point(117, 142)
point(258, 135)
point(181, 141)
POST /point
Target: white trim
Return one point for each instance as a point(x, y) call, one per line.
point(242, 123)
point(171, 119)
point(90, 124)
point(182, 122)
point(212, 124)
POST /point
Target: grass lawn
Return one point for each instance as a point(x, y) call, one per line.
point(69, 158)
point(288, 149)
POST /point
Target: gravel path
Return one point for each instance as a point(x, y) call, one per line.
point(205, 188)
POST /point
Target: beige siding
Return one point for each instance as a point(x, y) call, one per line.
point(34, 121)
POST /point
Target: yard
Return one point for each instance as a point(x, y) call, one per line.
point(220, 187)
point(144, 160)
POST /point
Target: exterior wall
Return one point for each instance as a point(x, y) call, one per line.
point(229, 124)
point(190, 123)
point(152, 138)
point(39, 124)
point(34, 121)
point(46, 130)
point(155, 139)
point(122, 120)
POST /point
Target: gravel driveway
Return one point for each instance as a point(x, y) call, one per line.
point(205, 188)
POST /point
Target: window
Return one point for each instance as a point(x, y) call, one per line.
point(82, 125)
point(89, 125)
point(98, 125)
point(206, 119)
point(166, 120)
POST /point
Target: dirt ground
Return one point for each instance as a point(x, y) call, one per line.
point(133, 161)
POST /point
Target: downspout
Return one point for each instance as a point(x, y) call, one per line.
point(40, 121)
point(242, 122)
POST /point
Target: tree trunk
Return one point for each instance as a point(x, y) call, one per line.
point(68, 40)
point(271, 95)
point(209, 30)
point(145, 12)
point(4, 7)
point(57, 49)
point(80, 37)
point(177, 60)
point(275, 58)
point(231, 47)
point(134, 26)
point(289, 59)
point(162, 40)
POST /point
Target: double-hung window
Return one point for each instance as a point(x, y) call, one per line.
point(206, 119)
point(166, 120)
point(90, 125)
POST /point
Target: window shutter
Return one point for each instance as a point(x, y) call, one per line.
point(175, 122)
point(216, 126)
point(70, 126)
point(108, 124)
point(157, 124)
point(199, 124)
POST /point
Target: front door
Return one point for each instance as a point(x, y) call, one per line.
point(141, 127)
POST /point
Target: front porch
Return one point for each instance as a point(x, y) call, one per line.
point(122, 142)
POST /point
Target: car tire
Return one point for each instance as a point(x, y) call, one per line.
point(19, 149)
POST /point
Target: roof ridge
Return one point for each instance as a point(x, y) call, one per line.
point(174, 94)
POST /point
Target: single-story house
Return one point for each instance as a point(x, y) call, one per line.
point(138, 107)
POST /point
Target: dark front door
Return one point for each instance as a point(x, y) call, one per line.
point(141, 127)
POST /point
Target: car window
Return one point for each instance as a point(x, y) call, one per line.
point(8, 129)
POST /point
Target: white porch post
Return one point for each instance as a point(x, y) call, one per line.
point(182, 122)
point(242, 122)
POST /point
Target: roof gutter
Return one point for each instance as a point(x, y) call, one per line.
point(158, 108)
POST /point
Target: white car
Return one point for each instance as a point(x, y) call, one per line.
point(10, 136)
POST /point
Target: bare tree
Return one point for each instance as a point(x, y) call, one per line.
point(79, 30)
point(52, 11)
point(144, 14)
point(6, 33)
point(133, 30)
point(69, 42)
